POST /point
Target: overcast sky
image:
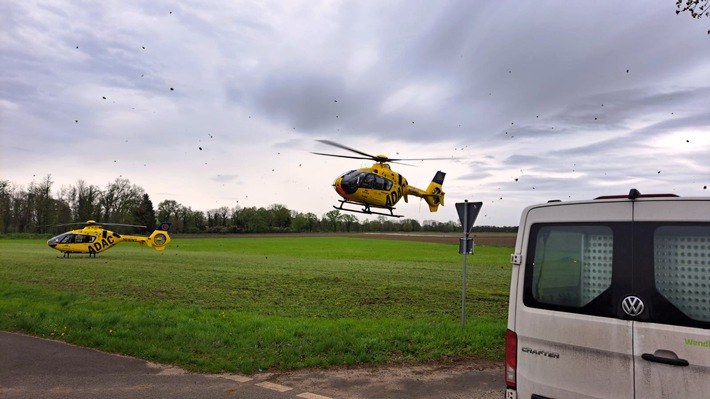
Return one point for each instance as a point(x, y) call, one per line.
point(220, 103)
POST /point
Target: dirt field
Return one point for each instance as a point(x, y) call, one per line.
point(502, 239)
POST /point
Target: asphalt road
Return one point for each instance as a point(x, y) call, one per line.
point(32, 367)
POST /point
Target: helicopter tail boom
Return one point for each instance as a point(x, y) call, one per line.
point(159, 239)
point(434, 195)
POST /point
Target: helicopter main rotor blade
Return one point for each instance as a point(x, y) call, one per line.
point(92, 223)
point(376, 158)
point(340, 156)
point(62, 225)
point(421, 159)
point(123, 224)
point(334, 144)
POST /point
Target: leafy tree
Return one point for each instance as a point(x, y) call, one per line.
point(280, 217)
point(348, 220)
point(263, 220)
point(252, 220)
point(311, 221)
point(333, 218)
point(190, 221)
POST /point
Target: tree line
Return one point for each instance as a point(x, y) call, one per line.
point(36, 209)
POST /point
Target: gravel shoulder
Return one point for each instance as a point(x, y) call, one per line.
point(471, 379)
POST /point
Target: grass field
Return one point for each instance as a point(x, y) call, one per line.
point(244, 304)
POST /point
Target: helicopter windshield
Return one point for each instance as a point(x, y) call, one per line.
point(57, 239)
point(70, 238)
point(356, 179)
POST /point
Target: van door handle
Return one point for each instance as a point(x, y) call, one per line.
point(665, 360)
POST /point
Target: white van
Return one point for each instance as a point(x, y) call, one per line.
point(610, 298)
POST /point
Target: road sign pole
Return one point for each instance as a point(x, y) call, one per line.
point(468, 212)
point(464, 223)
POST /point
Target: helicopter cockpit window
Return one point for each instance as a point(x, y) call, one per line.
point(57, 239)
point(382, 184)
point(80, 239)
point(368, 181)
point(379, 183)
point(355, 179)
point(351, 181)
point(68, 239)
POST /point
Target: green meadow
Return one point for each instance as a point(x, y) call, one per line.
point(244, 304)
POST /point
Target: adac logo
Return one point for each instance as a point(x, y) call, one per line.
point(632, 305)
point(99, 246)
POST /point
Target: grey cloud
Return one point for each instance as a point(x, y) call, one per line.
point(225, 178)
point(518, 160)
point(305, 99)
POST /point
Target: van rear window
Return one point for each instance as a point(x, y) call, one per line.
point(682, 268)
point(572, 264)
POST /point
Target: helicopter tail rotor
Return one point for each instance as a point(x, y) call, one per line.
point(434, 194)
point(160, 238)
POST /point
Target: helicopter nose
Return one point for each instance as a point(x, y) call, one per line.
point(339, 188)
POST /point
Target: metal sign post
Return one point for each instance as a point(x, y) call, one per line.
point(468, 212)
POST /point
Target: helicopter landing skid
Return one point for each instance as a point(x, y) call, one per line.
point(366, 210)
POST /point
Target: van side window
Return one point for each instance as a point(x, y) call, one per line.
point(682, 268)
point(572, 264)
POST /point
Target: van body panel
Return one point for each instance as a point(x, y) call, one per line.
point(512, 303)
point(676, 210)
point(659, 380)
point(561, 356)
point(554, 346)
point(677, 273)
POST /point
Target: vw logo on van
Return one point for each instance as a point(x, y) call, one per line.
point(632, 305)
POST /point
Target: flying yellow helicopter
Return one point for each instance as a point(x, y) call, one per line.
point(379, 186)
point(93, 238)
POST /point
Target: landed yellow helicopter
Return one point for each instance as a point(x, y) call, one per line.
point(379, 186)
point(94, 239)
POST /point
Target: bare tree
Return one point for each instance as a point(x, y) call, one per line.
point(39, 206)
point(696, 8)
point(5, 209)
point(119, 200)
